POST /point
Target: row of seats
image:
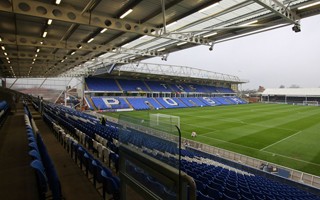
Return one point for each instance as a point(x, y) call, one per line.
point(4, 110)
point(47, 177)
point(108, 84)
point(213, 182)
point(147, 103)
point(93, 167)
point(95, 137)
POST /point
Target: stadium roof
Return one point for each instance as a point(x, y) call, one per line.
point(174, 73)
point(296, 92)
point(49, 38)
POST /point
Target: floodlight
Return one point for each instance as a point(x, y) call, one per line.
point(296, 28)
point(126, 13)
point(211, 47)
point(103, 30)
point(91, 39)
point(44, 34)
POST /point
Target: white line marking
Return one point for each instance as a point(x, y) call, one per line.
point(201, 135)
point(280, 140)
point(209, 132)
point(269, 152)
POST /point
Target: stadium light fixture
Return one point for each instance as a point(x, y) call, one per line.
point(308, 5)
point(211, 46)
point(80, 47)
point(91, 39)
point(7, 58)
point(3, 48)
point(58, 2)
point(171, 24)
point(0, 39)
point(72, 53)
point(207, 8)
point(5, 53)
point(211, 34)
point(296, 28)
point(249, 23)
point(126, 13)
point(9, 61)
point(181, 43)
point(103, 30)
point(38, 50)
point(36, 55)
point(44, 34)
point(143, 37)
point(49, 21)
point(165, 57)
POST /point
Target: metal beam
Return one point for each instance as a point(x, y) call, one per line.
point(19, 40)
point(280, 9)
point(178, 71)
point(71, 15)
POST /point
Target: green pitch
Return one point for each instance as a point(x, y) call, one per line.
point(284, 134)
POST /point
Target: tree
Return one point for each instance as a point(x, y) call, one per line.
point(282, 86)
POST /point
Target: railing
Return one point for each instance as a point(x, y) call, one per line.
point(295, 175)
point(184, 186)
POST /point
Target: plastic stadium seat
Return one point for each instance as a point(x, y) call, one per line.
point(34, 146)
point(110, 186)
point(35, 154)
point(214, 193)
point(201, 196)
point(41, 178)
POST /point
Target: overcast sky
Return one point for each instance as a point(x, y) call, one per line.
point(270, 59)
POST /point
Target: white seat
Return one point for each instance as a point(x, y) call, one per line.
point(105, 153)
point(99, 149)
point(104, 142)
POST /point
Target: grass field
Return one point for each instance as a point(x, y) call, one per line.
point(284, 134)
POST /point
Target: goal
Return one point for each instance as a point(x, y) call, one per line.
point(310, 103)
point(164, 122)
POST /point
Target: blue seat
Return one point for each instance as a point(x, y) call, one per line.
point(214, 193)
point(34, 146)
point(41, 178)
point(170, 195)
point(201, 196)
point(35, 154)
point(115, 159)
point(201, 186)
point(105, 181)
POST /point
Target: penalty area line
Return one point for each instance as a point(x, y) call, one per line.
point(280, 140)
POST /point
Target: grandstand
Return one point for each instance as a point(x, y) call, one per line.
point(300, 96)
point(51, 149)
point(148, 93)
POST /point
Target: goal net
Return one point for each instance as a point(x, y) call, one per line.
point(164, 122)
point(310, 103)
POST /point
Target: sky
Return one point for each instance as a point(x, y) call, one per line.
point(269, 59)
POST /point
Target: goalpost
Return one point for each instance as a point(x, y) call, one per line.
point(164, 122)
point(310, 103)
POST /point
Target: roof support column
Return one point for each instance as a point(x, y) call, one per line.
point(163, 6)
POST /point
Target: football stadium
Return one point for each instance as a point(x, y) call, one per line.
point(84, 114)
